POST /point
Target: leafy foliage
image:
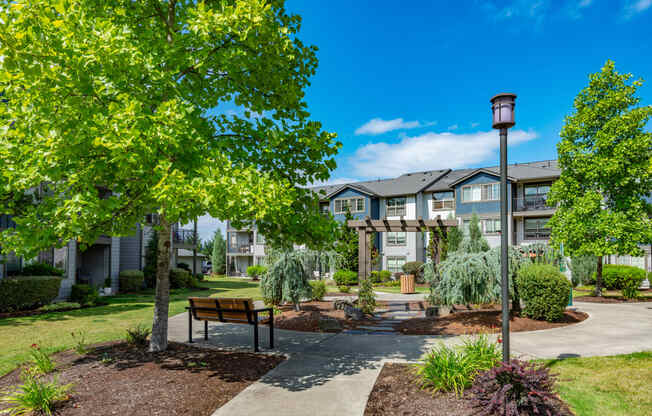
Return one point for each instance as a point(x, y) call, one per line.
point(582, 269)
point(453, 369)
point(544, 290)
point(617, 276)
point(514, 389)
point(137, 335)
point(151, 260)
point(80, 340)
point(414, 268)
point(256, 271)
point(345, 277)
point(42, 363)
point(380, 276)
point(605, 155)
point(366, 297)
point(543, 253)
point(131, 280)
point(454, 238)
point(27, 292)
point(286, 280)
point(318, 289)
point(474, 241)
point(84, 294)
point(182, 279)
point(344, 288)
point(60, 306)
point(35, 395)
point(41, 269)
point(218, 256)
point(346, 245)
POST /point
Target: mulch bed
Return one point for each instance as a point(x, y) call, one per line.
point(482, 321)
point(307, 319)
point(396, 394)
point(340, 294)
point(118, 379)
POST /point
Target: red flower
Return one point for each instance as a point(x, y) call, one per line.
point(499, 340)
point(35, 346)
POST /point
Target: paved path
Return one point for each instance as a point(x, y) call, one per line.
point(329, 374)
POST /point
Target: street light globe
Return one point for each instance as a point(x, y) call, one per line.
point(502, 108)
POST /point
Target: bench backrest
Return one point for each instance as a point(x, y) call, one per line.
point(222, 309)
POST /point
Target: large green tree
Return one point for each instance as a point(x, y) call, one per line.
point(218, 256)
point(120, 108)
point(605, 157)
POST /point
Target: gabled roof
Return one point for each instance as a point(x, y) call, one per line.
point(475, 172)
point(355, 186)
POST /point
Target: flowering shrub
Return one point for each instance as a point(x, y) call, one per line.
point(41, 360)
point(514, 389)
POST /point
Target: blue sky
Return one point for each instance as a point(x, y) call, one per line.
point(406, 84)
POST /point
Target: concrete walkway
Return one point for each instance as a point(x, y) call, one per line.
point(328, 374)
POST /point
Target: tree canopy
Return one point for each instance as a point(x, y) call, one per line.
point(117, 109)
point(605, 157)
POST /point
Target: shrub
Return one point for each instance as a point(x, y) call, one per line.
point(184, 266)
point(41, 269)
point(375, 276)
point(27, 292)
point(344, 288)
point(137, 335)
point(617, 277)
point(514, 389)
point(35, 396)
point(199, 277)
point(84, 294)
point(413, 267)
point(60, 306)
point(582, 269)
point(545, 291)
point(345, 277)
point(318, 289)
point(131, 280)
point(42, 362)
point(181, 279)
point(286, 280)
point(366, 297)
point(453, 369)
point(385, 275)
point(256, 271)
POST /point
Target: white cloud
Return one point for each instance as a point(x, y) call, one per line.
point(636, 6)
point(379, 126)
point(526, 11)
point(453, 127)
point(431, 151)
point(335, 181)
point(474, 125)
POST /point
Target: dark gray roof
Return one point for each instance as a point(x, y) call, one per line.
point(441, 180)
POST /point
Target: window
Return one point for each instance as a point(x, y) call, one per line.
point(234, 240)
point(260, 239)
point(465, 226)
point(396, 238)
point(443, 200)
point(536, 190)
point(491, 225)
point(537, 228)
point(324, 208)
point(395, 264)
point(395, 207)
point(481, 192)
point(351, 204)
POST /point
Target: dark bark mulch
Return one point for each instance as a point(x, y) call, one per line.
point(118, 379)
point(397, 394)
point(482, 321)
point(307, 319)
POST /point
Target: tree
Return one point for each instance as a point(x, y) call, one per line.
point(218, 256)
point(121, 108)
point(454, 237)
point(474, 241)
point(605, 157)
point(346, 245)
point(206, 247)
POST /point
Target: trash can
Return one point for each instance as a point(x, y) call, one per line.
point(407, 283)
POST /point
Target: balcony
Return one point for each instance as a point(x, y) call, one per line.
point(531, 203)
point(184, 237)
point(537, 234)
point(242, 249)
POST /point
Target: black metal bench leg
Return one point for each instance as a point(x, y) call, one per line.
point(205, 330)
point(271, 330)
point(189, 326)
point(256, 333)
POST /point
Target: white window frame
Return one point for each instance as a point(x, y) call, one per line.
point(479, 192)
point(396, 238)
point(538, 232)
point(443, 204)
point(352, 204)
point(396, 209)
point(396, 259)
point(491, 225)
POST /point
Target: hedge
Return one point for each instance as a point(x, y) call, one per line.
point(618, 277)
point(84, 294)
point(380, 276)
point(181, 279)
point(544, 290)
point(345, 277)
point(131, 280)
point(41, 269)
point(28, 292)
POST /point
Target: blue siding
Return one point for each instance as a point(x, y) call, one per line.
point(480, 207)
point(371, 205)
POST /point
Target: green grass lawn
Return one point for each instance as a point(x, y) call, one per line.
point(618, 385)
point(104, 323)
point(397, 289)
point(588, 290)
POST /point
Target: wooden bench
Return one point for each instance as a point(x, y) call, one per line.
point(234, 310)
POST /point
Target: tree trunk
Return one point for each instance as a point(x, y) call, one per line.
point(516, 299)
point(159, 338)
point(598, 278)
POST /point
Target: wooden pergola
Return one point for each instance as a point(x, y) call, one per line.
point(368, 226)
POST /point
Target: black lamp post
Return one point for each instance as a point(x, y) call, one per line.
point(502, 108)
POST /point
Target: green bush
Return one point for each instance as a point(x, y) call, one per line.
point(375, 276)
point(385, 275)
point(60, 306)
point(182, 279)
point(35, 396)
point(453, 369)
point(318, 289)
point(345, 277)
point(256, 271)
point(41, 269)
point(582, 269)
point(344, 288)
point(131, 280)
point(366, 297)
point(415, 268)
point(544, 290)
point(137, 335)
point(617, 277)
point(184, 266)
point(27, 292)
point(84, 294)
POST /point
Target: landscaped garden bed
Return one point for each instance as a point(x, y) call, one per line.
point(316, 316)
point(396, 392)
point(610, 296)
point(117, 378)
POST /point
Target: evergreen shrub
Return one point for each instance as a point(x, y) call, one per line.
point(345, 277)
point(131, 280)
point(544, 290)
point(27, 292)
point(84, 294)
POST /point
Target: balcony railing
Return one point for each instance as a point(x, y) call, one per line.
point(531, 203)
point(537, 234)
point(181, 236)
point(242, 249)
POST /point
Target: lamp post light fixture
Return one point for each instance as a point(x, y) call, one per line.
point(502, 108)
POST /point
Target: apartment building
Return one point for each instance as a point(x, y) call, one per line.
point(244, 247)
point(447, 193)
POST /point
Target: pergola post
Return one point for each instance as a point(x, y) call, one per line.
point(363, 250)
